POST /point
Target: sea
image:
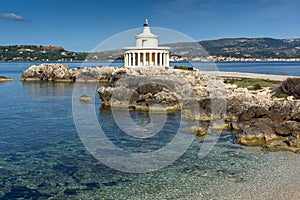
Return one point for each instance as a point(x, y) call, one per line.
point(44, 154)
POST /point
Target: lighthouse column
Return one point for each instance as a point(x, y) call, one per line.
point(133, 62)
point(139, 59)
point(129, 59)
point(150, 58)
point(160, 59)
point(125, 60)
point(144, 59)
point(167, 60)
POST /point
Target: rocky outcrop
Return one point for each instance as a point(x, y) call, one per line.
point(49, 72)
point(160, 89)
point(5, 79)
point(276, 128)
point(61, 72)
point(260, 118)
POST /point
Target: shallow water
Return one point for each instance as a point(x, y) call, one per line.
point(42, 155)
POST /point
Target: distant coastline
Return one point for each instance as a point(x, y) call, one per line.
point(222, 50)
point(180, 62)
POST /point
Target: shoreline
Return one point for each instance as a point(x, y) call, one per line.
point(254, 76)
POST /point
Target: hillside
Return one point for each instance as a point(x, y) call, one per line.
point(254, 47)
point(260, 48)
point(239, 48)
point(38, 53)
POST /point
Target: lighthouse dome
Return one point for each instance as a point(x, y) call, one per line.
point(146, 38)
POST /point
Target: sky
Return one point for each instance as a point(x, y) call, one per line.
point(79, 25)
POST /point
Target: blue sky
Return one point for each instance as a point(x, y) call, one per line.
point(80, 25)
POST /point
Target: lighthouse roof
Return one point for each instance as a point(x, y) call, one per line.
point(146, 32)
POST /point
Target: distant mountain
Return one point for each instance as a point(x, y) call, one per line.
point(228, 47)
point(242, 47)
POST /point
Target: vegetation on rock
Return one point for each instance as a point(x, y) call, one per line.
point(254, 84)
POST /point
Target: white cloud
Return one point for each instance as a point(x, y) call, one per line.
point(11, 16)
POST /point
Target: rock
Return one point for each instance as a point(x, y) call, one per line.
point(259, 133)
point(296, 134)
point(49, 72)
point(282, 130)
point(250, 137)
point(198, 131)
point(106, 93)
point(253, 112)
point(100, 74)
point(292, 142)
point(280, 112)
point(85, 98)
point(292, 126)
point(145, 88)
point(234, 126)
point(290, 98)
point(278, 145)
point(5, 79)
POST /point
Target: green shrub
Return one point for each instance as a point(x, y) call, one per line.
point(183, 67)
point(255, 83)
point(282, 96)
point(257, 86)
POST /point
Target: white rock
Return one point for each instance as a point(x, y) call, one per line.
point(290, 98)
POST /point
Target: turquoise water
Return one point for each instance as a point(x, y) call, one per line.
point(42, 156)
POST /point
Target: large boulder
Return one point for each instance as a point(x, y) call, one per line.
point(253, 112)
point(139, 92)
point(280, 112)
point(259, 133)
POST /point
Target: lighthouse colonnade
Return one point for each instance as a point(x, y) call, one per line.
point(134, 58)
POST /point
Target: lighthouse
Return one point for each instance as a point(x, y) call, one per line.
point(146, 52)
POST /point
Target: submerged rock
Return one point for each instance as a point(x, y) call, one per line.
point(21, 192)
point(197, 130)
point(85, 98)
point(5, 79)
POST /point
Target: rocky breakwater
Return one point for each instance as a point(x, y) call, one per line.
point(49, 72)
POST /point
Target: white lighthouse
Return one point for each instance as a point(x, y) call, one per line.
point(146, 52)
